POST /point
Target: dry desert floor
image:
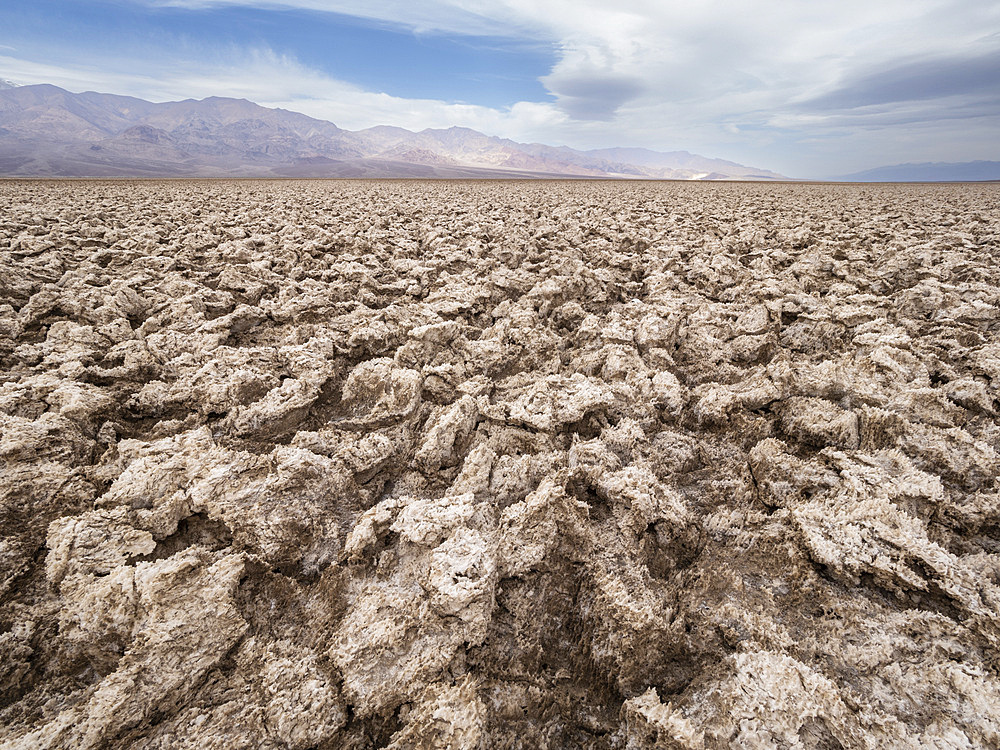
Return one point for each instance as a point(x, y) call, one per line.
point(499, 465)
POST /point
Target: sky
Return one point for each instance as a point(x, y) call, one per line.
point(808, 88)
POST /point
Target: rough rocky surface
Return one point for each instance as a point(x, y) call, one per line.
point(461, 465)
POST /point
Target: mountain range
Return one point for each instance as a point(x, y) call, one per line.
point(46, 131)
point(970, 171)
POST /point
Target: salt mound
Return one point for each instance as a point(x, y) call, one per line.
point(457, 465)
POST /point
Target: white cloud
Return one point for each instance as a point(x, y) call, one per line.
point(273, 80)
point(424, 16)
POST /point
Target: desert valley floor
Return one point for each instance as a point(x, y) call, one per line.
point(499, 465)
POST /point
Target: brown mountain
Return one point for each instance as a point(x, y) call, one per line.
point(46, 131)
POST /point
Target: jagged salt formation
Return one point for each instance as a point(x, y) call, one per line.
point(461, 465)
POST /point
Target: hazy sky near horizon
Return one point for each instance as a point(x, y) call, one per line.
point(815, 88)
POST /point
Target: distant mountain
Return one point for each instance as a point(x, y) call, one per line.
point(46, 131)
point(970, 171)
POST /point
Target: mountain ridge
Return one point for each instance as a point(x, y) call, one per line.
point(46, 131)
point(968, 171)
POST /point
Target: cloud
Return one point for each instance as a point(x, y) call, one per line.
point(706, 59)
point(426, 16)
point(593, 96)
point(275, 80)
point(917, 80)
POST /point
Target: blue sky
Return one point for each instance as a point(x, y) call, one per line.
point(492, 71)
point(807, 88)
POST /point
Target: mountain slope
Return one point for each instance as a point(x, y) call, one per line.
point(970, 171)
point(47, 131)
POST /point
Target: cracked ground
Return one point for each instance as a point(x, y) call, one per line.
point(401, 464)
